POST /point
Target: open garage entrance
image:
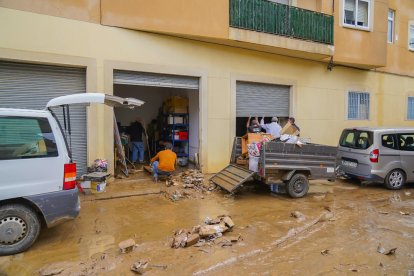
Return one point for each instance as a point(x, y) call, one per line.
point(258, 100)
point(170, 114)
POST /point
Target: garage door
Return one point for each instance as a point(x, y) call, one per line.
point(32, 86)
point(259, 99)
point(152, 79)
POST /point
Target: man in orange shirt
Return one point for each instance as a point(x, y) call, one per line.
point(164, 162)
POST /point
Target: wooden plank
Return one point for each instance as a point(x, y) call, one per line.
point(238, 171)
point(228, 179)
point(232, 176)
point(225, 185)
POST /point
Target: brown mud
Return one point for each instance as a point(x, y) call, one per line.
point(339, 233)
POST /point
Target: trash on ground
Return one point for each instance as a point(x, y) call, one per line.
point(383, 212)
point(326, 216)
point(140, 267)
point(319, 197)
point(201, 235)
point(188, 184)
point(126, 245)
point(404, 213)
point(298, 215)
point(325, 252)
point(389, 252)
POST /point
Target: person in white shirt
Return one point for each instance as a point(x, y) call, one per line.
point(273, 128)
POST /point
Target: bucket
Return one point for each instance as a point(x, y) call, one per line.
point(98, 187)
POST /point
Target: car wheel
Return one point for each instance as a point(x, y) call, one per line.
point(19, 228)
point(395, 180)
point(298, 186)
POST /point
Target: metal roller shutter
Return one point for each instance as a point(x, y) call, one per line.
point(259, 99)
point(32, 86)
point(152, 79)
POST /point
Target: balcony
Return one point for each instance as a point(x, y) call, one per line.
point(278, 19)
point(258, 25)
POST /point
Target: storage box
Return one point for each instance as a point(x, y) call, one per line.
point(183, 135)
point(242, 161)
point(177, 101)
point(178, 109)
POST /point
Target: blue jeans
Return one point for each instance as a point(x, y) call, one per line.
point(156, 171)
point(137, 147)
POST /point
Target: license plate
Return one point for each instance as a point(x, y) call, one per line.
point(349, 164)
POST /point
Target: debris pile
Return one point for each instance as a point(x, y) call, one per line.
point(140, 266)
point(211, 232)
point(188, 184)
point(126, 246)
point(382, 250)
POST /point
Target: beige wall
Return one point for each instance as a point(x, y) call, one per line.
point(195, 17)
point(319, 95)
point(84, 10)
point(399, 59)
point(360, 48)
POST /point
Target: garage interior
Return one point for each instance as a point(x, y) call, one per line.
point(170, 113)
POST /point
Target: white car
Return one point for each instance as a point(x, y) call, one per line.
point(38, 177)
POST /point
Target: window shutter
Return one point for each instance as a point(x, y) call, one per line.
point(362, 13)
point(350, 5)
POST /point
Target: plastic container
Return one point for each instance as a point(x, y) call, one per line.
point(183, 135)
point(98, 187)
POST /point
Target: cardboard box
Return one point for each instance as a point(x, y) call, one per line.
point(178, 109)
point(177, 101)
point(242, 161)
point(290, 129)
point(253, 137)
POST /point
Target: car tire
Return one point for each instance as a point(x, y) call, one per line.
point(395, 180)
point(298, 186)
point(19, 228)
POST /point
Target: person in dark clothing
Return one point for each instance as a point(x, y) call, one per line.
point(255, 127)
point(135, 131)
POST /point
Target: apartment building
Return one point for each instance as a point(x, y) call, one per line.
point(329, 63)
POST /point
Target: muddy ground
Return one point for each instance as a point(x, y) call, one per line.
point(273, 242)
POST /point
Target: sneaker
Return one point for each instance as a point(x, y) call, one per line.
point(155, 179)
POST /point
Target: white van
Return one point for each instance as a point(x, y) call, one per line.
point(375, 154)
point(38, 177)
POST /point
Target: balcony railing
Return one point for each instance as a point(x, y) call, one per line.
point(269, 17)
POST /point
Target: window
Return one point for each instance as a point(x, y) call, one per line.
point(26, 137)
point(356, 139)
point(406, 142)
point(410, 108)
point(389, 141)
point(356, 13)
point(358, 106)
point(411, 37)
point(391, 15)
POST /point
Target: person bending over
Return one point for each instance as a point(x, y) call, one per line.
point(164, 162)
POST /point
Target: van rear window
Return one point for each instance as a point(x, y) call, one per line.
point(356, 139)
point(26, 137)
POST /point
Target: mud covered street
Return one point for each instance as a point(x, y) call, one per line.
point(361, 221)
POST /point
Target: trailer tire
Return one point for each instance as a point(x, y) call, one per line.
point(298, 186)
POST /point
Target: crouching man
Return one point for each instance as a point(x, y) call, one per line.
point(164, 162)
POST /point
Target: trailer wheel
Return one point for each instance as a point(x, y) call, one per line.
point(298, 186)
